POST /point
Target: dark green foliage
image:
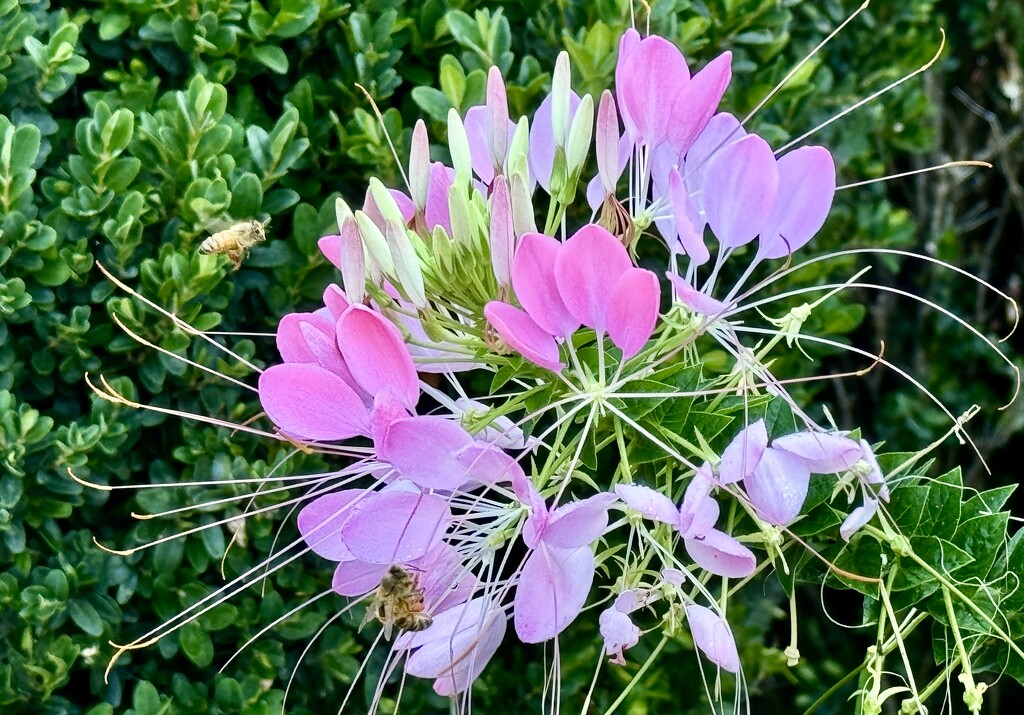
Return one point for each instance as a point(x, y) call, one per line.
point(130, 130)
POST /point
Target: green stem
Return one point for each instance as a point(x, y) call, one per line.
point(636, 678)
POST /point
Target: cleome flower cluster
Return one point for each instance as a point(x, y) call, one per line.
point(525, 424)
point(496, 505)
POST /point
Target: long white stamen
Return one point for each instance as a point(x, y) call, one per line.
point(890, 177)
point(870, 98)
point(174, 319)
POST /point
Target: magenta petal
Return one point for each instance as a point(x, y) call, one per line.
point(619, 633)
point(721, 554)
point(533, 279)
point(523, 335)
point(649, 502)
point(699, 512)
point(778, 486)
point(312, 403)
point(689, 228)
point(858, 518)
point(292, 343)
point(502, 234)
point(627, 43)
point(743, 453)
point(654, 74)
point(542, 139)
point(425, 451)
point(823, 452)
point(335, 301)
point(607, 142)
point(376, 355)
point(553, 589)
point(436, 212)
point(330, 246)
point(396, 527)
point(457, 647)
point(387, 409)
point(633, 310)
point(740, 185)
point(713, 636)
point(807, 185)
point(578, 523)
point(497, 117)
point(475, 123)
point(356, 578)
point(489, 465)
point(722, 130)
point(698, 101)
point(321, 520)
point(586, 270)
point(695, 300)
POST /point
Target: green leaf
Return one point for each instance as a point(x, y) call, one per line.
point(86, 617)
point(196, 644)
point(294, 18)
point(271, 57)
point(145, 699)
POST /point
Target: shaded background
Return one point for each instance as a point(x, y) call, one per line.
point(157, 122)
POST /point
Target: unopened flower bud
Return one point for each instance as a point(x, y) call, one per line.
point(458, 145)
point(419, 165)
point(560, 88)
point(342, 211)
point(375, 242)
point(580, 134)
point(497, 118)
point(353, 261)
point(407, 265)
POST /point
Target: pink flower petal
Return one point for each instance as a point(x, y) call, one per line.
point(711, 633)
point(699, 512)
point(697, 101)
point(823, 452)
point(807, 185)
point(653, 75)
point(489, 465)
point(740, 186)
point(858, 518)
point(629, 41)
point(497, 117)
point(335, 301)
point(695, 300)
point(502, 234)
point(356, 578)
point(321, 520)
point(376, 355)
point(578, 523)
point(633, 310)
point(586, 270)
point(436, 212)
point(459, 648)
point(721, 554)
point(619, 633)
point(396, 526)
point(553, 589)
point(743, 453)
point(649, 502)
point(387, 409)
point(778, 486)
point(523, 335)
point(311, 402)
point(533, 279)
point(607, 142)
point(330, 246)
point(425, 451)
point(689, 228)
point(542, 139)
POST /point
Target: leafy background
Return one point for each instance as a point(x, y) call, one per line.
point(128, 129)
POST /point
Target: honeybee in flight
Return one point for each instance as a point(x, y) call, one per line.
point(236, 240)
point(398, 602)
